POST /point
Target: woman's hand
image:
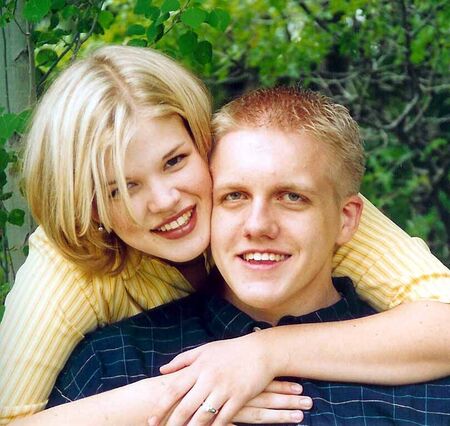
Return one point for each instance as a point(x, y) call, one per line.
point(228, 374)
point(280, 402)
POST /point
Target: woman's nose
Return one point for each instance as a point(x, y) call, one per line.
point(162, 198)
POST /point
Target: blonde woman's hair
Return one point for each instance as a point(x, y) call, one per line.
point(88, 116)
point(293, 109)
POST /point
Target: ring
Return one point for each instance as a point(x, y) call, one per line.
point(209, 408)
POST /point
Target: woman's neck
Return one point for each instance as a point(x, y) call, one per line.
point(194, 271)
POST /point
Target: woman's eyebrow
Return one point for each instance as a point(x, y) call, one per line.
point(172, 151)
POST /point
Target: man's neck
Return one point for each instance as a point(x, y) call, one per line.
point(317, 296)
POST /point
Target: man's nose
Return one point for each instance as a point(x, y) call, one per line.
point(261, 221)
point(162, 197)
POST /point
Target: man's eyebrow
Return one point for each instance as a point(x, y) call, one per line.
point(282, 187)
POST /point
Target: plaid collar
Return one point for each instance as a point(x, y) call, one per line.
point(225, 321)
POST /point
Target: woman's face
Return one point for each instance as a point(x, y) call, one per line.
point(170, 191)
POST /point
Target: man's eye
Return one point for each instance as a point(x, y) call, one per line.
point(292, 197)
point(175, 160)
point(234, 196)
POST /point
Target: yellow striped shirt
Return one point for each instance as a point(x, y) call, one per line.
point(53, 304)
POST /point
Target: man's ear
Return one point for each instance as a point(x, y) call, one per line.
point(351, 210)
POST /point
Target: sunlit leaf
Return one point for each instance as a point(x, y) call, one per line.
point(35, 10)
point(46, 57)
point(135, 29)
point(193, 17)
point(170, 5)
point(9, 123)
point(105, 19)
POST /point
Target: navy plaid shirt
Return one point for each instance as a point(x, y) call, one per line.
point(135, 348)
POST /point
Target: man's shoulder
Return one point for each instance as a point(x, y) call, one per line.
point(164, 316)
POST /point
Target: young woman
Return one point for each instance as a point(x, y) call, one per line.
point(116, 177)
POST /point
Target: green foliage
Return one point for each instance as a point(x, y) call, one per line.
point(387, 61)
point(4, 290)
point(35, 10)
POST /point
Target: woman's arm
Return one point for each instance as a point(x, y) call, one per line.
point(46, 316)
point(387, 266)
point(410, 343)
point(151, 399)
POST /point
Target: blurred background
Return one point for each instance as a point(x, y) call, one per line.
point(387, 61)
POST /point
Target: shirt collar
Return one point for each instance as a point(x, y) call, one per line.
point(225, 321)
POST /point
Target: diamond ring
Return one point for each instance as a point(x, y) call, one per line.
point(209, 408)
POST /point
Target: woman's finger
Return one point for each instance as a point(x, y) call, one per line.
point(180, 361)
point(190, 404)
point(207, 411)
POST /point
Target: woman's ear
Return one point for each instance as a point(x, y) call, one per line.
point(351, 210)
point(95, 216)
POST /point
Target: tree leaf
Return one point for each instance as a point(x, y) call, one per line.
point(219, 18)
point(58, 4)
point(105, 19)
point(8, 125)
point(23, 119)
point(187, 42)
point(138, 42)
point(135, 29)
point(35, 10)
point(170, 5)
point(144, 7)
point(6, 196)
point(46, 57)
point(3, 218)
point(69, 11)
point(16, 217)
point(193, 17)
point(4, 159)
point(155, 32)
point(203, 52)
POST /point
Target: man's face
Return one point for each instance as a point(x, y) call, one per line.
point(276, 220)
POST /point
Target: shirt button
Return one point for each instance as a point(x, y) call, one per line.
point(256, 328)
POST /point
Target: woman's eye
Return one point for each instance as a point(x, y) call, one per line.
point(292, 197)
point(175, 160)
point(115, 192)
point(234, 196)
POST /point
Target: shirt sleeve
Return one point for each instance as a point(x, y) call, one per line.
point(388, 267)
point(81, 376)
point(47, 314)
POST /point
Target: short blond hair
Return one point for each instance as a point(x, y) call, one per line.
point(87, 116)
point(293, 109)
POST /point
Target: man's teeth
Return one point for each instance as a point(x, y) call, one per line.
point(182, 220)
point(264, 256)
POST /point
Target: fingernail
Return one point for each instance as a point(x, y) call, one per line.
point(297, 416)
point(306, 403)
point(296, 388)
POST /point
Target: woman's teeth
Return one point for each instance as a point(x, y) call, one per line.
point(264, 257)
point(182, 220)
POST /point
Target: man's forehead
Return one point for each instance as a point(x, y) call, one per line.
point(270, 157)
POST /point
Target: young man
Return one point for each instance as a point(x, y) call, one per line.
point(286, 169)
